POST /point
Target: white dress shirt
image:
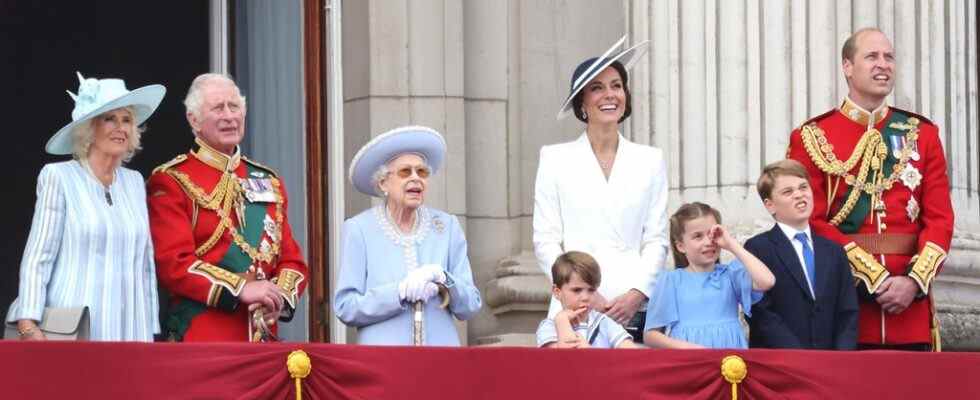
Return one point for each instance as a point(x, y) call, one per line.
point(790, 233)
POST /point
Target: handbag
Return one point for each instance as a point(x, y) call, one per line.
point(58, 323)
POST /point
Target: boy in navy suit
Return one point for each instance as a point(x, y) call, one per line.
point(814, 303)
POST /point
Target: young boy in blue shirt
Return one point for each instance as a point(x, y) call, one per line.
point(575, 277)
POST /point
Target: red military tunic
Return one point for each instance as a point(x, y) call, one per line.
point(203, 255)
point(912, 203)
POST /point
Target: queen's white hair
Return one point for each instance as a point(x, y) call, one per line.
point(383, 170)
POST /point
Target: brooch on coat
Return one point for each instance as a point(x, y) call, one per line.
point(438, 225)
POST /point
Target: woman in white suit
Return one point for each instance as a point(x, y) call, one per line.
point(603, 194)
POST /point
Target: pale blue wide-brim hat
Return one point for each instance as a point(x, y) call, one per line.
point(589, 69)
point(424, 141)
point(96, 96)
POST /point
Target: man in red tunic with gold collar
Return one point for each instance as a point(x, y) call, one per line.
point(880, 189)
point(224, 248)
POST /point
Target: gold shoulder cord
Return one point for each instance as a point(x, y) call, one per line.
point(170, 164)
point(870, 151)
point(221, 200)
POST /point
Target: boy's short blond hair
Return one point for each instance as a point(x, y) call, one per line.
point(576, 262)
point(776, 169)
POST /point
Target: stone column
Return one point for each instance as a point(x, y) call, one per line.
point(403, 65)
point(725, 83)
point(494, 227)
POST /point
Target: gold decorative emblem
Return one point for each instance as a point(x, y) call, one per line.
point(912, 208)
point(911, 177)
point(734, 370)
point(299, 366)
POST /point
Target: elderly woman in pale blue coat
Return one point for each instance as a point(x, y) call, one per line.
point(400, 252)
point(89, 244)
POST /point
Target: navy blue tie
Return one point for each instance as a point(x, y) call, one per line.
point(808, 260)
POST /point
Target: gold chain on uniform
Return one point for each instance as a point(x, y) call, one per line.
point(221, 199)
point(870, 151)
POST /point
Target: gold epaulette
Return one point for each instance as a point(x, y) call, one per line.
point(913, 115)
point(170, 164)
point(926, 264)
point(818, 118)
point(261, 166)
point(810, 122)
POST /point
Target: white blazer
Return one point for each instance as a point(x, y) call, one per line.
point(621, 222)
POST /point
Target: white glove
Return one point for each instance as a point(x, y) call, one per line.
point(419, 284)
point(429, 291)
point(413, 290)
point(431, 272)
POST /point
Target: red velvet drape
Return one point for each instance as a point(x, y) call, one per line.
point(242, 371)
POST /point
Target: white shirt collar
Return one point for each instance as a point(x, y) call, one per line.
point(791, 232)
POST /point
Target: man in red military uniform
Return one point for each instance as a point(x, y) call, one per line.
point(880, 189)
point(224, 248)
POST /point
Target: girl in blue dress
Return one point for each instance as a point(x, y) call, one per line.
point(696, 304)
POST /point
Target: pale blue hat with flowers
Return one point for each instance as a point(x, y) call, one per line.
point(96, 96)
point(424, 141)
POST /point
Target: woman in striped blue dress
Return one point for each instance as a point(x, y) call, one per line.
point(90, 242)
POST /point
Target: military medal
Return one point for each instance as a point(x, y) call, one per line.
point(897, 143)
point(258, 190)
point(910, 176)
point(912, 209)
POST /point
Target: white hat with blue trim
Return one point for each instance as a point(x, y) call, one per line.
point(589, 69)
point(424, 141)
